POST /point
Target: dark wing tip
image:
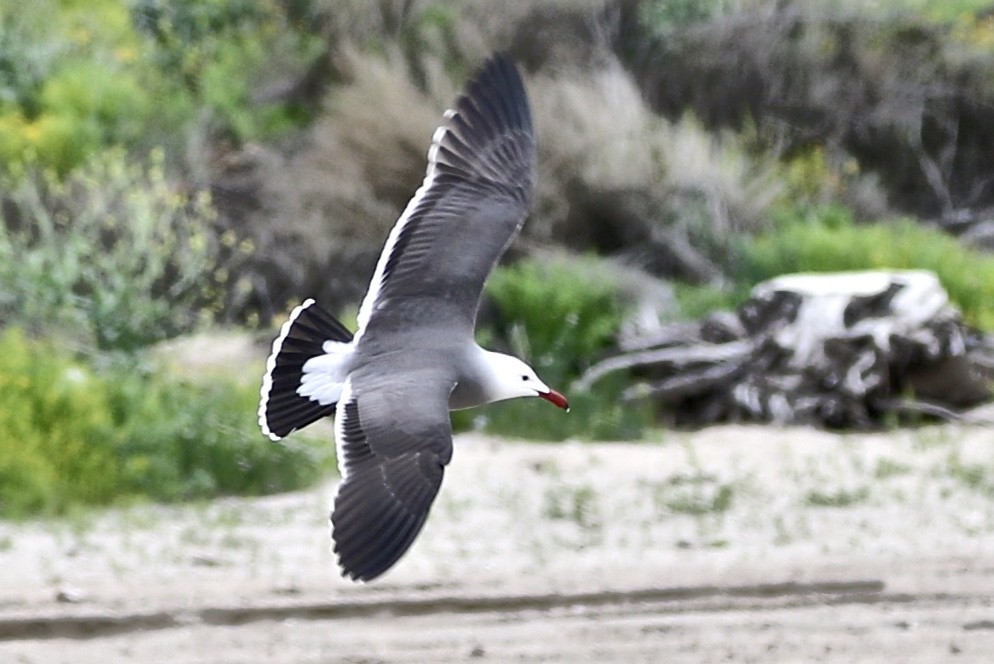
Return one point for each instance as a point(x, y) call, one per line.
point(496, 95)
point(379, 511)
point(499, 81)
point(489, 131)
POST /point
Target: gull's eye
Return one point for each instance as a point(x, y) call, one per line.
point(524, 377)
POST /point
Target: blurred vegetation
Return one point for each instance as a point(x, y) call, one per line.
point(111, 252)
point(860, 81)
point(77, 77)
point(828, 239)
point(72, 433)
point(668, 15)
point(109, 243)
point(166, 165)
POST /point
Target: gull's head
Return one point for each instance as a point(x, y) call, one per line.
point(511, 378)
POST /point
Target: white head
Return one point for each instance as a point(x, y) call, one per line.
point(510, 378)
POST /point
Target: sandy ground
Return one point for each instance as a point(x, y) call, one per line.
point(734, 544)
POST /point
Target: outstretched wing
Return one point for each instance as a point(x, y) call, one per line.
point(475, 196)
point(394, 439)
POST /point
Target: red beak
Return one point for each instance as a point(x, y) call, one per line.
point(556, 399)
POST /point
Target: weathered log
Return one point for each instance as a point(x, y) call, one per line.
point(684, 384)
point(840, 350)
point(676, 357)
point(673, 334)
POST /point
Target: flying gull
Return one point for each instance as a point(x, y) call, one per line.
point(413, 357)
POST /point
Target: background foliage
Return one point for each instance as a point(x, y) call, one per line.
point(111, 252)
point(76, 434)
point(167, 165)
point(828, 239)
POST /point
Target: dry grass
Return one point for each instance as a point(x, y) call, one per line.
point(898, 95)
point(382, 125)
point(327, 208)
point(595, 129)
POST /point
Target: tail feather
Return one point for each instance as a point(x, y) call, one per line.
point(295, 393)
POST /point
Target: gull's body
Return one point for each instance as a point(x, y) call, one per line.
point(413, 357)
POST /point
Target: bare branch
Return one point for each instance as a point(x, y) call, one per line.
point(677, 358)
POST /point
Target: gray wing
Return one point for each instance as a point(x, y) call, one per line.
point(394, 439)
point(475, 196)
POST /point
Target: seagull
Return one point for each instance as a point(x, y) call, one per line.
point(413, 358)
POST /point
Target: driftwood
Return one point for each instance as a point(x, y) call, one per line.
point(839, 350)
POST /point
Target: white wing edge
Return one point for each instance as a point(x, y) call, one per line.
point(345, 397)
point(267, 379)
point(369, 301)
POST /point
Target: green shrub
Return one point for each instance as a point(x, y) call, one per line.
point(71, 83)
point(559, 317)
point(84, 107)
point(695, 301)
point(78, 77)
point(221, 50)
point(74, 435)
point(814, 176)
point(102, 106)
point(826, 239)
point(938, 12)
point(666, 15)
point(26, 57)
point(114, 251)
point(181, 439)
point(53, 431)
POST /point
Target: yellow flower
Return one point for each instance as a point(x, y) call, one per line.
point(82, 36)
point(126, 54)
point(32, 132)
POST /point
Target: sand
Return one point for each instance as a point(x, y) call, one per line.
point(735, 543)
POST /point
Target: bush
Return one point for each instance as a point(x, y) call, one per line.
point(25, 58)
point(113, 251)
point(664, 16)
point(219, 51)
point(695, 301)
point(826, 239)
point(87, 105)
point(79, 77)
point(557, 313)
point(72, 435)
point(815, 176)
point(559, 317)
point(72, 83)
point(598, 134)
point(856, 77)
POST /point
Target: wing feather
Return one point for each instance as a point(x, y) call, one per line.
point(394, 440)
point(475, 196)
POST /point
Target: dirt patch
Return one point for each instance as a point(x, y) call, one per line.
point(734, 543)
